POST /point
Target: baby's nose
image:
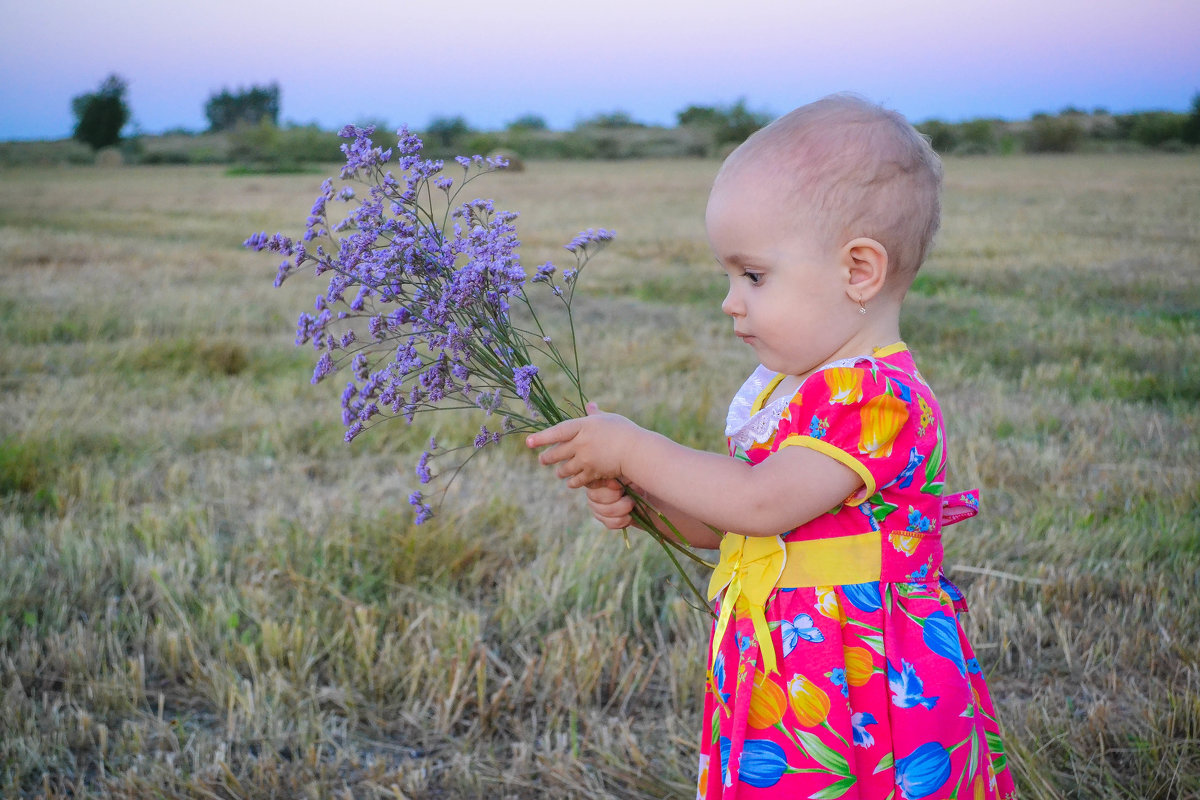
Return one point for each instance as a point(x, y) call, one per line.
point(731, 305)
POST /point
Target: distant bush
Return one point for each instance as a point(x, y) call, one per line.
point(977, 137)
point(527, 122)
point(446, 133)
point(100, 115)
point(974, 137)
point(309, 144)
point(481, 144)
point(725, 125)
point(943, 136)
point(254, 144)
point(1047, 134)
point(228, 110)
point(611, 119)
point(266, 147)
point(55, 152)
point(184, 148)
point(1157, 128)
point(1191, 125)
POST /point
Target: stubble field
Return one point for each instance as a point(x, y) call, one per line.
point(205, 593)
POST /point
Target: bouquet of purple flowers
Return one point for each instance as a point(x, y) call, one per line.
point(428, 307)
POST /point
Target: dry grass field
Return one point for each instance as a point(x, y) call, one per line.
point(204, 593)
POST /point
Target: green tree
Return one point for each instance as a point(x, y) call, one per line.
point(978, 136)
point(1157, 128)
point(610, 119)
point(447, 132)
point(943, 137)
point(729, 124)
point(1191, 126)
point(249, 106)
point(528, 122)
point(700, 116)
point(1047, 134)
point(100, 115)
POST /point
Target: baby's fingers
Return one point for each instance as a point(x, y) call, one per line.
point(562, 432)
point(613, 523)
point(612, 514)
point(605, 491)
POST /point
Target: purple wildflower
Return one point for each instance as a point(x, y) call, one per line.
point(483, 437)
point(424, 512)
point(323, 368)
point(423, 474)
point(522, 380)
point(257, 241)
point(415, 311)
point(592, 236)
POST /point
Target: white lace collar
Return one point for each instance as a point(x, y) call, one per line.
point(746, 427)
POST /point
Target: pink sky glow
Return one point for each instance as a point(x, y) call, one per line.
point(405, 62)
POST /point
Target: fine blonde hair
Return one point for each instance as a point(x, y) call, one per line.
point(853, 168)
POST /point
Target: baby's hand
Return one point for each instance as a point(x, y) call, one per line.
point(587, 449)
point(609, 503)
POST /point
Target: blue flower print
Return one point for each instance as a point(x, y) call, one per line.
point(864, 596)
point(923, 771)
point(904, 479)
point(941, 636)
point(744, 641)
point(973, 666)
point(949, 588)
point(859, 721)
point(838, 678)
point(918, 522)
point(799, 628)
point(907, 688)
point(719, 677)
point(818, 427)
point(762, 764)
point(918, 575)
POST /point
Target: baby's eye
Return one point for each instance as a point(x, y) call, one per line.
point(753, 277)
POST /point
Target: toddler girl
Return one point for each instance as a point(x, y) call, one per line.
point(838, 666)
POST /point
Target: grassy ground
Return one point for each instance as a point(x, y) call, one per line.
point(206, 594)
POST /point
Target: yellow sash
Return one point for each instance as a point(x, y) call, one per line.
point(751, 567)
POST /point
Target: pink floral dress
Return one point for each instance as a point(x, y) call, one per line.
point(846, 672)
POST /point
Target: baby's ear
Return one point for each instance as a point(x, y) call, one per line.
point(866, 263)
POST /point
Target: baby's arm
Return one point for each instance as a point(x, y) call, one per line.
point(788, 489)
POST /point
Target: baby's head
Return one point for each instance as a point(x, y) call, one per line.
point(845, 168)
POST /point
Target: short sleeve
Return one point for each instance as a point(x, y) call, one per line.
point(855, 416)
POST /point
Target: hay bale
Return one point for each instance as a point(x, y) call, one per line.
point(110, 157)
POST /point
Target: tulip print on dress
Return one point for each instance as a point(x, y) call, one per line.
point(877, 693)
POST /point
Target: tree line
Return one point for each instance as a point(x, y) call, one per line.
point(250, 119)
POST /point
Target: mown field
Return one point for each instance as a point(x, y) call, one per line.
point(206, 594)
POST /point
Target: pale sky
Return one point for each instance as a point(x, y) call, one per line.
point(407, 62)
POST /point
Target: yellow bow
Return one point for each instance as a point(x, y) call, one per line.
point(748, 571)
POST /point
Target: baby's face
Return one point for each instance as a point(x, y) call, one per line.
point(787, 291)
